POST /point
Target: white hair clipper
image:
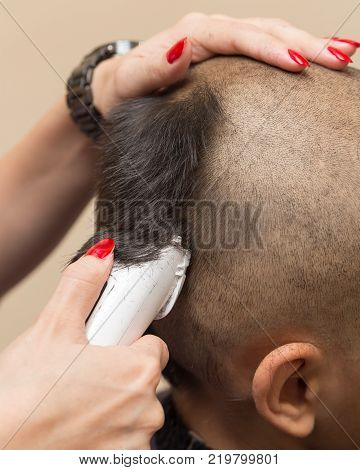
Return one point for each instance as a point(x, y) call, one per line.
point(135, 296)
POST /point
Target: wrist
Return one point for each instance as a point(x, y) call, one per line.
point(92, 87)
point(103, 86)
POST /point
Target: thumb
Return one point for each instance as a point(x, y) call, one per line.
point(141, 73)
point(78, 290)
point(152, 346)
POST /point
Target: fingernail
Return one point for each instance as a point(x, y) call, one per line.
point(298, 58)
point(347, 41)
point(101, 249)
point(175, 51)
point(339, 54)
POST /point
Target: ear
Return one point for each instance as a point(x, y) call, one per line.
point(285, 387)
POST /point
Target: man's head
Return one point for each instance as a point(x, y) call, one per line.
point(270, 318)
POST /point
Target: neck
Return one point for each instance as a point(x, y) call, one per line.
point(224, 424)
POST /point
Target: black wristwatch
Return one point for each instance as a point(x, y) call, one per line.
point(79, 96)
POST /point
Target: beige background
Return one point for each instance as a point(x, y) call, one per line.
point(66, 29)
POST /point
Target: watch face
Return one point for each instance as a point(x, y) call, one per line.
point(124, 46)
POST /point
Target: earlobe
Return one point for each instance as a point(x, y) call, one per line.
point(285, 386)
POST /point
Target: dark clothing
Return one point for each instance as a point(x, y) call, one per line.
point(174, 435)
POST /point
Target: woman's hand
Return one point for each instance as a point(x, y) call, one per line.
point(165, 58)
point(57, 391)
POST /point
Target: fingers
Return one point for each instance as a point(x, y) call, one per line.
point(165, 58)
point(152, 347)
point(333, 54)
point(273, 41)
point(144, 71)
point(230, 37)
point(219, 34)
point(79, 288)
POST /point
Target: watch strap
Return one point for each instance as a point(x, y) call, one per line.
point(79, 94)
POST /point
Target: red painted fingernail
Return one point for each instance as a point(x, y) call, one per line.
point(101, 249)
point(339, 54)
point(347, 41)
point(298, 58)
point(175, 51)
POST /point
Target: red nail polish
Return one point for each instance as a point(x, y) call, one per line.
point(347, 41)
point(298, 58)
point(101, 249)
point(339, 54)
point(175, 51)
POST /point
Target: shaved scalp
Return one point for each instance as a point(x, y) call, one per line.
point(237, 130)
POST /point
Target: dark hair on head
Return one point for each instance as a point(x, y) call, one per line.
point(150, 151)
